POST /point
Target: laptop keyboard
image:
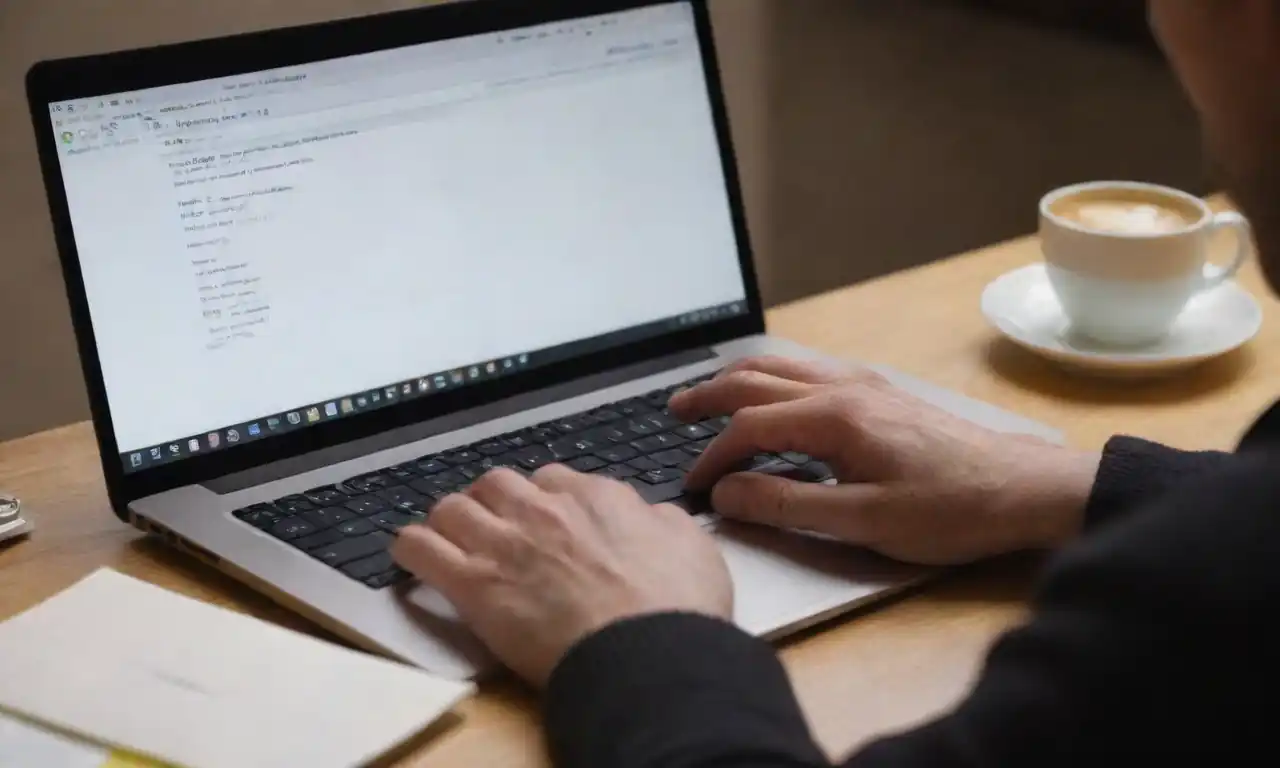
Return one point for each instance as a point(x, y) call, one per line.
point(350, 526)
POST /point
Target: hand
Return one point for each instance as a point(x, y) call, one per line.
point(535, 566)
point(916, 483)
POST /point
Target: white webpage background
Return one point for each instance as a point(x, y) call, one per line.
point(446, 233)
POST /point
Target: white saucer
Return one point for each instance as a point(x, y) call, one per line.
point(1022, 305)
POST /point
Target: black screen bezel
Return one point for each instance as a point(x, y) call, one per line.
point(99, 75)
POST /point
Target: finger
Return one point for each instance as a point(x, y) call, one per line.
point(804, 426)
point(431, 557)
point(847, 512)
point(803, 371)
point(557, 478)
point(726, 395)
point(500, 489)
point(468, 524)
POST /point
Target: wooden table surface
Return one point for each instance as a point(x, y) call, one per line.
point(858, 677)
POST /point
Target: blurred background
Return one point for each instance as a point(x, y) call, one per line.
point(873, 135)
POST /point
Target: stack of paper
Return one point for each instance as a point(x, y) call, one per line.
point(25, 744)
point(127, 664)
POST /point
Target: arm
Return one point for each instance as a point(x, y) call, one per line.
point(1120, 654)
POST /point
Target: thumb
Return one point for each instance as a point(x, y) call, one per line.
point(847, 512)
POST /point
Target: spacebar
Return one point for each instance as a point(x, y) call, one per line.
point(658, 494)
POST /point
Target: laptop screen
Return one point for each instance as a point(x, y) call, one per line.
point(265, 252)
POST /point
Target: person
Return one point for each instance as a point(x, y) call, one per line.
point(1152, 635)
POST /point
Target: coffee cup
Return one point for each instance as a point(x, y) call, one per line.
point(1124, 258)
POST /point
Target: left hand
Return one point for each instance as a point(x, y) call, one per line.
point(534, 566)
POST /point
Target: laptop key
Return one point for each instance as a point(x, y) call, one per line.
point(402, 473)
point(564, 450)
point(817, 472)
point(366, 505)
point(259, 515)
point(292, 528)
point(673, 458)
point(318, 540)
point(693, 432)
point(688, 464)
point(431, 466)
point(662, 421)
point(658, 443)
point(716, 425)
point(542, 435)
point(643, 464)
point(292, 505)
point(492, 449)
point(368, 483)
point(386, 579)
point(662, 476)
point(460, 457)
point(356, 528)
point(369, 566)
point(657, 494)
point(393, 520)
point(634, 407)
point(639, 429)
point(799, 459)
point(618, 472)
point(350, 550)
point(609, 435)
point(698, 448)
point(327, 496)
point(327, 517)
point(586, 464)
point(534, 458)
point(617, 454)
point(606, 415)
point(518, 441)
point(400, 495)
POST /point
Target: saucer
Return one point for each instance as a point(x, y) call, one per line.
point(1022, 305)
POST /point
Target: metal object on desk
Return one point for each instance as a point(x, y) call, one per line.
point(12, 525)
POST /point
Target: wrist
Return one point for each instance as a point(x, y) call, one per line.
point(1054, 493)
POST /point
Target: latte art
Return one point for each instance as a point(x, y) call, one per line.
point(1129, 218)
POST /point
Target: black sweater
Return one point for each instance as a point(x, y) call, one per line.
point(1154, 637)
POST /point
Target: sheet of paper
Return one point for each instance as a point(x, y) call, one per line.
point(23, 743)
point(128, 664)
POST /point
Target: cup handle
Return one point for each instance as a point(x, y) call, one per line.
point(1215, 275)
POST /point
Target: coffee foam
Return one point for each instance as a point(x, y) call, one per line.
point(1128, 218)
point(1122, 211)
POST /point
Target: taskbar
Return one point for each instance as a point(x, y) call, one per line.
point(413, 389)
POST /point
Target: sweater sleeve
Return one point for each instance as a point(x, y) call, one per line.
point(1134, 471)
point(1148, 643)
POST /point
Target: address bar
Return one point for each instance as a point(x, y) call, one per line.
point(318, 120)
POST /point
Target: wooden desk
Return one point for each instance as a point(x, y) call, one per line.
point(890, 667)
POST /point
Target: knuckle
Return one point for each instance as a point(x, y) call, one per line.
point(848, 409)
point(745, 377)
point(550, 471)
point(781, 499)
point(867, 378)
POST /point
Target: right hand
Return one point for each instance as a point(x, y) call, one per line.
point(916, 483)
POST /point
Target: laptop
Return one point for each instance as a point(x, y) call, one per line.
point(322, 277)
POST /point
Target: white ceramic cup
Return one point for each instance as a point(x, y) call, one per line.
point(1127, 285)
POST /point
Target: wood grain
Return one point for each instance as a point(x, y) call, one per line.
point(857, 678)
